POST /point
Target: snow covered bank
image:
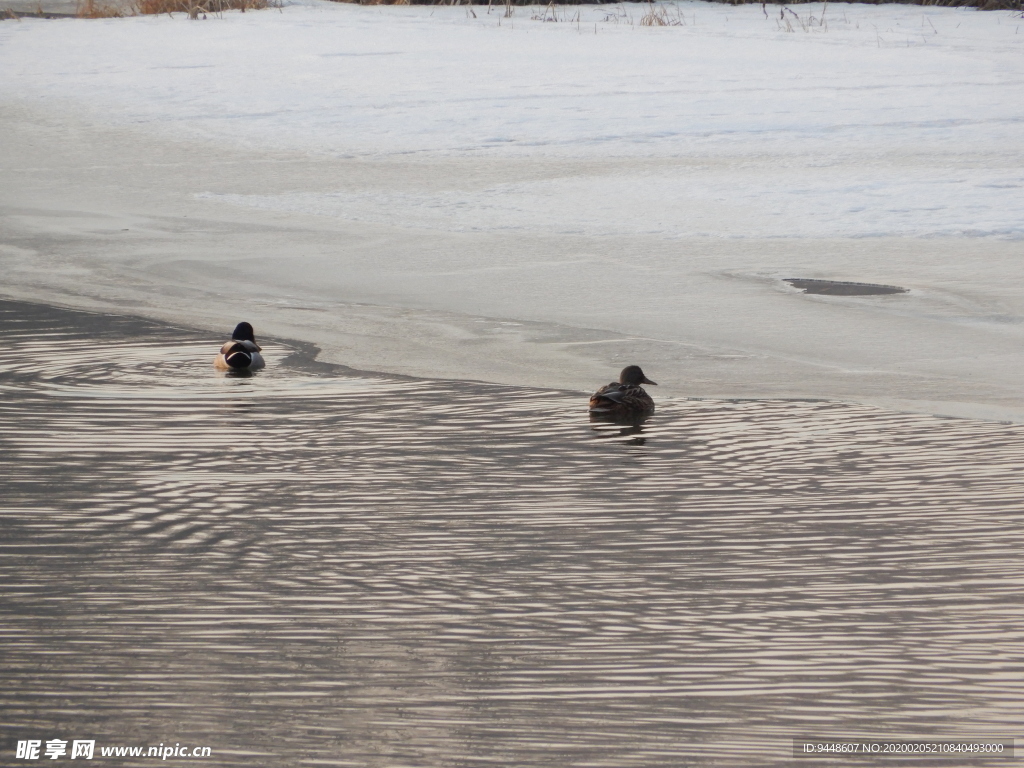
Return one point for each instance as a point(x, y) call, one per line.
point(459, 193)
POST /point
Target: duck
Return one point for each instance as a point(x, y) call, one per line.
point(624, 398)
point(242, 353)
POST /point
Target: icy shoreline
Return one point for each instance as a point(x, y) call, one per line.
point(422, 192)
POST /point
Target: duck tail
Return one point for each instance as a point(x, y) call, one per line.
point(238, 358)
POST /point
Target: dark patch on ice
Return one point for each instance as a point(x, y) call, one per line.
point(842, 287)
point(12, 14)
point(361, 53)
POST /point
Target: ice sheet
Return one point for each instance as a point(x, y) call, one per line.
point(450, 192)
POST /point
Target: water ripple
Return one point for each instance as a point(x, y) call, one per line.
point(312, 566)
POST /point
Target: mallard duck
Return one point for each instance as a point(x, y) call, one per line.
point(242, 353)
point(624, 398)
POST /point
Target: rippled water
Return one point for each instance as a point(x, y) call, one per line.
point(313, 567)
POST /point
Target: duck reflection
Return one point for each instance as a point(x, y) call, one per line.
point(607, 426)
point(236, 373)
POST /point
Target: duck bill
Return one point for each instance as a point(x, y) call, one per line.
point(645, 380)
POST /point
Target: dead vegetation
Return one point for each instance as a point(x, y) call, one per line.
point(655, 14)
point(197, 8)
point(807, 24)
point(89, 9)
point(662, 16)
point(557, 13)
point(658, 15)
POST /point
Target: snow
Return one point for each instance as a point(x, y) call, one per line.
point(630, 190)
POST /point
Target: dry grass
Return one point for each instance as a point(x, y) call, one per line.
point(812, 22)
point(557, 13)
point(656, 15)
point(197, 8)
point(90, 9)
point(661, 16)
point(95, 9)
point(658, 19)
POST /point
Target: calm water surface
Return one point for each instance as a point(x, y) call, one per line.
point(314, 567)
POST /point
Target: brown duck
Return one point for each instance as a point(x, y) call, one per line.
point(624, 398)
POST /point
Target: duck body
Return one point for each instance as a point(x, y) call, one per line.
point(241, 353)
point(625, 398)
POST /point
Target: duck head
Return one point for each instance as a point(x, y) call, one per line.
point(243, 332)
point(632, 375)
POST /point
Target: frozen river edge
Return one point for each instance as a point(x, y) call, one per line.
point(542, 267)
point(172, 258)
